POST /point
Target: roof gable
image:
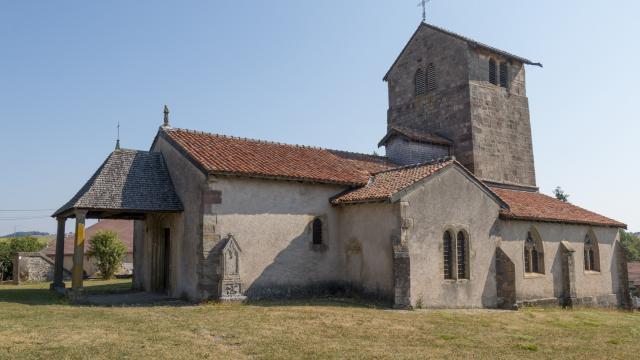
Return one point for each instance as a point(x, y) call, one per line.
point(413, 135)
point(226, 155)
point(393, 184)
point(469, 41)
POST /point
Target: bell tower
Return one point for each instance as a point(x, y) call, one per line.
point(446, 86)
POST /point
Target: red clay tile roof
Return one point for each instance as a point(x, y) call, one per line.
point(124, 229)
point(634, 273)
point(525, 205)
point(384, 185)
point(237, 156)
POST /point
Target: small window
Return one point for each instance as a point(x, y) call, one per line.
point(462, 253)
point(432, 84)
point(533, 255)
point(493, 72)
point(448, 255)
point(317, 231)
point(591, 253)
point(504, 75)
point(420, 82)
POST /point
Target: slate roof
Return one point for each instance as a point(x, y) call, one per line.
point(529, 205)
point(219, 154)
point(384, 185)
point(124, 229)
point(414, 135)
point(129, 181)
point(465, 39)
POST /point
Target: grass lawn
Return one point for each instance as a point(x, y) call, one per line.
point(35, 324)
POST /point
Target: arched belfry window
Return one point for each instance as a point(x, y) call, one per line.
point(493, 72)
point(448, 255)
point(591, 253)
point(432, 83)
point(533, 254)
point(462, 255)
point(504, 75)
point(420, 82)
point(317, 231)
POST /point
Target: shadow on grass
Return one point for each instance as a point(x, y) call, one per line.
point(325, 302)
point(31, 296)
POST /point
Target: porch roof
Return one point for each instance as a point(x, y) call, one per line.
point(129, 184)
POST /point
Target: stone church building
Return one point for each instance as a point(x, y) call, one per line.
point(450, 218)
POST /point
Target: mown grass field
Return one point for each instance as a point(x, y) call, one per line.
point(35, 324)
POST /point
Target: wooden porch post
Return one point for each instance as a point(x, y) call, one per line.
point(78, 251)
point(58, 272)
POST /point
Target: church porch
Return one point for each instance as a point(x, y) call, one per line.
point(130, 185)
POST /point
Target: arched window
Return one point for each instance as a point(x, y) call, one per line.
point(504, 75)
point(317, 231)
point(462, 255)
point(448, 255)
point(591, 253)
point(420, 82)
point(493, 72)
point(432, 84)
point(533, 254)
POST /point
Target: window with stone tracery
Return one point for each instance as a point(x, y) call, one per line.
point(448, 255)
point(591, 253)
point(533, 254)
point(462, 255)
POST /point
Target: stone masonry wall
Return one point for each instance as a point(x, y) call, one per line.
point(489, 124)
point(446, 110)
point(32, 267)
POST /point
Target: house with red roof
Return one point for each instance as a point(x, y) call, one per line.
point(450, 217)
point(124, 230)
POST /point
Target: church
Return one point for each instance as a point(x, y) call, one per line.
point(451, 217)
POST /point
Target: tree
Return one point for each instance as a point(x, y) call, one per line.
point(560, 194)
point(10, 247)
point(109, 252)
point(6, 260)
point(631, 243)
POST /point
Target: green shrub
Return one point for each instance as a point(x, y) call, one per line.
point(109, 252)
point(631, 243)
point(10, 247)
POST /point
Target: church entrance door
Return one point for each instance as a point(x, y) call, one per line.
point(161, 263)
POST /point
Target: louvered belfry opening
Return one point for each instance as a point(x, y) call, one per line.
point(493, 72)
point(504, 75)
point(317, 231)
point(448, 255)
point(420, 82)
point(432, 82)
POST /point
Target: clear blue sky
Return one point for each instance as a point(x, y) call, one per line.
point(306, 72)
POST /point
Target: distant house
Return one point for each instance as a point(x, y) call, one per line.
point(634, 274)
point(124, 229)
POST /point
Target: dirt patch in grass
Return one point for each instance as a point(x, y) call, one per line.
point(37, 324)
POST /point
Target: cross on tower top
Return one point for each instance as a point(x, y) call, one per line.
point(118, 138)
point(423, 3)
